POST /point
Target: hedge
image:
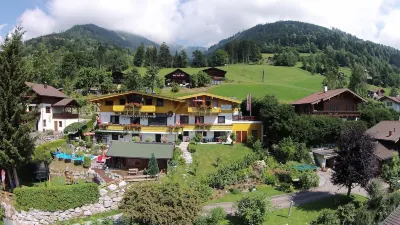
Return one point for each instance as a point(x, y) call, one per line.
point(53, 144)
point(57, 197)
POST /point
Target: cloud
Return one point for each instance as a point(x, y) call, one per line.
point(205, 22)
point(1, 27)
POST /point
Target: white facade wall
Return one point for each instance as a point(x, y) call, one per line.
point(209, 119)
point(144, 121)
point(171, 120)
point(394, 105)
point(48, 117)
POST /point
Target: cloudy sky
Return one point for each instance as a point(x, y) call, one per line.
point(202, 22)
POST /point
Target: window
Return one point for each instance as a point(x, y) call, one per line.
point(254, 133)
point(149, 101)
point(44, 123)
point(333, 108)
point(122, 101)
point(208, 100)
point(221, 119)
point(204, 133)
point(350, 108)
point(114, 137)
point(185, 133)
point(215, 102)
point(32, 108)
point(135, 120)
point(114, 119)
point(47, 109)
point(160, 102)
point(121, 136)
point(199, 119)
point(108, 103)
point(184, 119)
point(159, 120)
point(389, 103)
point(59, 123)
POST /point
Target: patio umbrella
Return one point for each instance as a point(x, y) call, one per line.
point(98, 120)
point(198, 100)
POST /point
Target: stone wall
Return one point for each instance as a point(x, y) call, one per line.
point(110, 197)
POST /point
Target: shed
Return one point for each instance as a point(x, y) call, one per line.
point(325, 157)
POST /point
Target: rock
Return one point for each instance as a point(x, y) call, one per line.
point(98, 205)
point(112, 195)
point(44, 222)
point(85, 208)
point(87, 213)
point(103, 192)
point(112, 187)
point(122, 184)
point(56, 213)
point(78, 210)
point(107, 198)
point(107, 204)
point(53, 219)
point(114, 207)
point(118, 199)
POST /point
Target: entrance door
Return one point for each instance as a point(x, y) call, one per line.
point(55, 126)
point(158, 137)
point(238, 136)
point(244, 136)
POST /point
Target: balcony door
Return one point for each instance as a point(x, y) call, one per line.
point(158, 137)
point(55, 126)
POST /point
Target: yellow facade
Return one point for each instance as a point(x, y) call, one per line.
point(246, 129)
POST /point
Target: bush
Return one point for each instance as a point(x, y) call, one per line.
point(253, 208)
point(327, 217)
point(347, 213)
point(376, 193)
point(216, 216)
point(192, 148)
point(196, 138)
point(233, 136)
point(234, 191)
point(148, 139)
point(177, 154)
point(136, 139)
point(178, 141)
point(391, 169)
point(309, 180)
point(250, 140)
point(54, 198)
point(87, 162)
point(270, 179)
point(89, 144)
point(174, 87)
point(286, 187)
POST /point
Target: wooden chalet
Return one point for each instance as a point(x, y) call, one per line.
point(338, 103)
point(177, 76)
point(217, 75)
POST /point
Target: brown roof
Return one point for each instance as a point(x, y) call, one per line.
point(323, 96)
point(65, 102)
point(49, 91)
point(386, 130)
point(383, 151)
point(393, 218)
point(395, 99)
point(177, 73)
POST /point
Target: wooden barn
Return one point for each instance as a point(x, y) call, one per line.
point(177, 76)
point(217, 75)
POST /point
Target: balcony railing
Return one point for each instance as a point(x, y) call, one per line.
point(65, 116)
point(243, 118)
point(143, 109)
point(204, 111)
point(338, 113)
point(217, 127)
point(121, 127)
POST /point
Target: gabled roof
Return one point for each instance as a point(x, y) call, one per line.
point(132, 92)
point(42, 90)
point(210, 95)
point(384, 151)
point(394, 99)
point(214, 68)
point(386, 130)
point(393, 218)
point(66, 102)
point(324, 96)
point(140, 150)
point(175, 71)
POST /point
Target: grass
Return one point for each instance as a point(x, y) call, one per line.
point(266, 190)
point(304, 214)
point(90, 218)
point(207, 154)
point(60, 166)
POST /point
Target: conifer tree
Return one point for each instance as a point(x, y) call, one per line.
point(183, 59)
point(153, 166)
point(176, 60)
point(16, 144)
point(139, 56)
point(164, 56)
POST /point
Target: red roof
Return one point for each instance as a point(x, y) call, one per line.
point(49, 91)
point(395, 99)
point(323, 96)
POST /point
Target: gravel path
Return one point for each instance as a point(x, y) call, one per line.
point(325, 189)
point(186, 155)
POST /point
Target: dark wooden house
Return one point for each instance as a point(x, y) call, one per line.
point(217, 75)
point(177, 76)
point(339, 103)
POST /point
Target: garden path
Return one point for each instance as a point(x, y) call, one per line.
point(186, 155)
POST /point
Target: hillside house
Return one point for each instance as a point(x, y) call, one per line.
point(391, 102)
point(217, 75)
point(55, 109)
point(376, 94)
point(338, 103)
point(177, 76)
point(386, 135)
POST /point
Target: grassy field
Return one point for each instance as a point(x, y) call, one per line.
point(304, 214)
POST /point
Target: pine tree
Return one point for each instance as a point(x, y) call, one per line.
point(199, 60)
point(153, 166)
point(393, 92)
point(42, 70)
point(133, 80)
point(151, 78)
point(183, 59)
point(164, 56)
point(176, 60)
point(139, 56)
point(16, 145)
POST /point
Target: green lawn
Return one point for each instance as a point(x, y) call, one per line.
point(206, 155)
point(266, 190)
point(304, 214)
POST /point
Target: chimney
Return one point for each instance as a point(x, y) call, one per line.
point(390, 133)
point(45, 85)
point(325, 88)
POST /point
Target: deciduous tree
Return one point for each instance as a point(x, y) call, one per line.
point(133, 80)
point(198, 59)
point(219, 58)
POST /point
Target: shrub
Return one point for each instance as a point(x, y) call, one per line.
point(257, 147)
point(148, 139)
point(250, 140)
point(136, 139)
point(177, 153)
point(79, 154)
point(192, 148)
point(347, 213)
point(174, 87)
point(327, 217)
point(233, 136)
point(87, 162)
point(253, 209)
point(153, 166)
point(309, 180)
point(54, 198)
point(196, 138)
point(217, 215)
point(1, 213)
point(234, 191)
point(89, 144)
point(376, 192)
point(270, 179)
point(286, 187)
point(178, 141)
point(391, 169)
point(181, 161)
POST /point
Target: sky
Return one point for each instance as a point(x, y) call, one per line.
point(202, 22)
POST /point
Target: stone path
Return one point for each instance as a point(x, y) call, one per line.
point(325, 189)
point(186, 155)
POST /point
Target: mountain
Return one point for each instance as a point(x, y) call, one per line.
point(91, 34)
point(189, 49)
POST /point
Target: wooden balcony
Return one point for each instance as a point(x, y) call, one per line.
point(243, 118)
point(123, 128)
point(65, 116)
point(343, 114)
point(216, 127)
point(142, 109)
point(196, 110)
